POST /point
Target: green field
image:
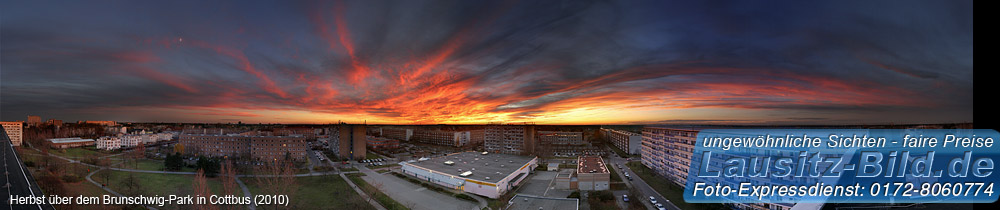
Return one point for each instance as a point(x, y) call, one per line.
point(155, 184)
point(75, 153)
point(319, 192)
point(382, 198)
point(371, 155)
point(668, 189)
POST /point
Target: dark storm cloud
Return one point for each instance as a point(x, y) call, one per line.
point(460, 61)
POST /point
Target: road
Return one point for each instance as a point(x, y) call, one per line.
point(17, 178)
point(639, 184)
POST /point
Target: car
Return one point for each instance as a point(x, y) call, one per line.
point(625, 198)
point(661, 208)
point(659, 205)
point(652, 200)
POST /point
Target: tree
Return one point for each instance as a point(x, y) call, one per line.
point(277, 178)
point(210, 166)
point(200, 185)
point(179, 148)
point(229, 185)
point(174, 162)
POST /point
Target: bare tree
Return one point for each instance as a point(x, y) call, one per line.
point(229, 185)
point(200, 185)
point(277, 177)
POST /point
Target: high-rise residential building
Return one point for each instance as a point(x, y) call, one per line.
point(348, 141)
point(14, 131)
point(668, 151)
point(516, 139)
point(255, 145)
point(33, 121)
point(628, 142)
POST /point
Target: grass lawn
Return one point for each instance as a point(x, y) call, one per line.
point(319, 192)
point(614, 174)
point(75, 153)
point(382, 198)
point(619, 151)
point(371, 155)
point(157, 184)
point(668, 189)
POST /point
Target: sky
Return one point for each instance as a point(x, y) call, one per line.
point(468, 62)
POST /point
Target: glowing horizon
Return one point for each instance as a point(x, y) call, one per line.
point(478, 62)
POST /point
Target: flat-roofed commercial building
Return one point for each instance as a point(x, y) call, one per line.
point(668, 151)
point(256, 147)
point(592, 174)
point(63, 143)
point(516, 139)
point(487, 174)
point(532, 202)
point(628, 142)
point(15, 130)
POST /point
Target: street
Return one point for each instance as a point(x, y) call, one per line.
point(639, 184)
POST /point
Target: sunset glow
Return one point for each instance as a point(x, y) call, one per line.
point(575, 62)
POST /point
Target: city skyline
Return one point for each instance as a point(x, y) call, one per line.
point(463, 62)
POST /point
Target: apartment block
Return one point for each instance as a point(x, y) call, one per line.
point(15, 131)
point(668, 151)
point(248, 144)
point(33, 121)
point(109, 143)
point(382, 143)
point(628, 142)
point(348, 141)
point(401, 134)
point(518, 139)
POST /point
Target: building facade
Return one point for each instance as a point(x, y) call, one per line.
point(518, 139)
point(592, 174)
point(668, 151)
point(489, 175)
point(628, 142)
point(401, 134)
point(259, 148)
point(109, 143)
point(15, 131)
point(445, 138)
point(348, 141)
point(382, 143)
point(33, 121)
point(63, 143)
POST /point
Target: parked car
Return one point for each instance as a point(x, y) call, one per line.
point(625, 198)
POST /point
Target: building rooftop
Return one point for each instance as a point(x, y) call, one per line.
point(531, 202)
point(591, 164)
point(69, 140)
point(494, 166)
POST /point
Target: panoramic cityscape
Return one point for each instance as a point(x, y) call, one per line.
point(424, 105)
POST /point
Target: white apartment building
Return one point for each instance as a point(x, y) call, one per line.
point(109, 143)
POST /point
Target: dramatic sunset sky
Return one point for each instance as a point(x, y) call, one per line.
point(548, 62)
